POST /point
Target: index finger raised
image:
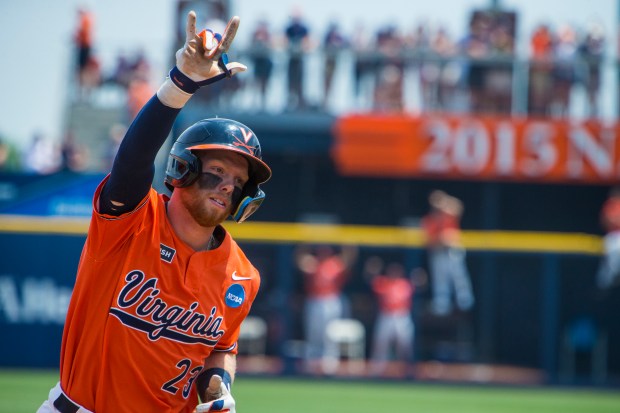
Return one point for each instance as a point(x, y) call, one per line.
point(190, 28)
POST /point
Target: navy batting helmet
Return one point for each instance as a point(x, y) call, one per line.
point(184, 167)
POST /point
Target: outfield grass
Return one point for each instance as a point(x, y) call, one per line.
point(23, 391)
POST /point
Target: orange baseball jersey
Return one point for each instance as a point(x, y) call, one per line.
point(327, 279)
point(147, 310)
point(394, 294)
point(610, 214)
point(437, 224)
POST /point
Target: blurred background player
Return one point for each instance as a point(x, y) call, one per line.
point(394, 330)
point(325, 273)
point(162, 288)
point(446, 255)
point(609, 269)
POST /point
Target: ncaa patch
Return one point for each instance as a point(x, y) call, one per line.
point(234, 296)
point(166, 253)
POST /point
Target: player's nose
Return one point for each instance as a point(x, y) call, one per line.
point(228, 184)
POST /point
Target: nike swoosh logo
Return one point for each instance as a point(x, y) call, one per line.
point(235, 277)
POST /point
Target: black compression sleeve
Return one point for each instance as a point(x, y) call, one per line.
point(133, 169)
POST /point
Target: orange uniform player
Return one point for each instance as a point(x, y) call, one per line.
point(394, 328)
point(394, 294)
point(325, 273)
point(446, 254)
point(162, 288)
point(328, 277)
point(159, 308)
point(608, 273)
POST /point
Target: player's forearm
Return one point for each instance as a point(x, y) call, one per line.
point(223, 364)
point(133, 170)
point(224, 360)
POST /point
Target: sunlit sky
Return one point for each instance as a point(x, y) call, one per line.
point(36, 38)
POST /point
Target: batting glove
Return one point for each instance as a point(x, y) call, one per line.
point(220, 398)
point(202, 59)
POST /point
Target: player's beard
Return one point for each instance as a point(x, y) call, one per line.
point(198, 204)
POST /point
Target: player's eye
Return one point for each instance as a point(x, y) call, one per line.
point(217, 169)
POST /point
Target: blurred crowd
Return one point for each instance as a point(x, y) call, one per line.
point(475, 71)
point(468, 72)
point(425, 69)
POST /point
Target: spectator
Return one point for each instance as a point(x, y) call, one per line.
point(540, 84)
point(260, 55)
point(333, 44)
point(451, 69)
point(419, 40)
point(564, 75)
point(298, 42)
point(489, 47)
point(448, 269)
point(42, 157)
point(394, 326)
point(591, 50)
point(83, 38)
point(475, 47)
point(439, 72)
point(140, 67)
point(122, 71)
point(388, 96)
point(364, 67)
point(419, 43)
point(609, 267)
point(498, 85)
point(73, 156)
point(325, 273)
point(88, 68)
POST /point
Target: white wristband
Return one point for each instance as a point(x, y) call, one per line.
point(170, 95)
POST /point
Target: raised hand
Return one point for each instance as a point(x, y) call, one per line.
point(203, 56)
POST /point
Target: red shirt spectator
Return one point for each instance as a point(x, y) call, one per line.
point(84, 32)
point(541, 42)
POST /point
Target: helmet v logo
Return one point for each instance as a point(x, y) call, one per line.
point(247, 135)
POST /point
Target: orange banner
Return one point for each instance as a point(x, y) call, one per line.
point(466, 147)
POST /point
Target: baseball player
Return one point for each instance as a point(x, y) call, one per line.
point(162, 288)
point(325, 273)
point(394, 326)
point(448, 267)
point(609, 268)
